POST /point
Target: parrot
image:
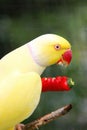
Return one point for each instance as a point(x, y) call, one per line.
point(20, 76)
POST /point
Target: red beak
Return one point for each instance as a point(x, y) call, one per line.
point(66, 57)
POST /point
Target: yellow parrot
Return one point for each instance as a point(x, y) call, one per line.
point(20, 82)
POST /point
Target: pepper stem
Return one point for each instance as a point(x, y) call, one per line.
point(70, 82)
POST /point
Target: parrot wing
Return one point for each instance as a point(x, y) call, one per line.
point(19, 96)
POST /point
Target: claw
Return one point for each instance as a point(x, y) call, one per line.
point(19, 127)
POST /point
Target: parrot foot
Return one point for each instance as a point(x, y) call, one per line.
point(19, 127)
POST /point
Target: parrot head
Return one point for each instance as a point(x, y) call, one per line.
point(50, 49)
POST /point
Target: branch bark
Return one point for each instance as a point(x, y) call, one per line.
point(34, 125)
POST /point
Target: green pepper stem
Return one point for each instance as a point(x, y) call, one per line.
point(70, 82)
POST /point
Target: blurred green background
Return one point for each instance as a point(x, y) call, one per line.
point(24, 20)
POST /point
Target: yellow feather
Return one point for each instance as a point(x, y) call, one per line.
point(19, 60)
point(11, 129)
point(19, 96)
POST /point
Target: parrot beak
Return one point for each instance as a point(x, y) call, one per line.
point(66, 58)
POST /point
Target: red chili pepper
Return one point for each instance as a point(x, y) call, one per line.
point(59, 83)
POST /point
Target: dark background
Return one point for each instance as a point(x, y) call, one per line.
point(22, 21)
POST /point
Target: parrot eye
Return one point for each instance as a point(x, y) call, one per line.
point(57, 47)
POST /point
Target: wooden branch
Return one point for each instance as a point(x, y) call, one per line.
point(34, 125)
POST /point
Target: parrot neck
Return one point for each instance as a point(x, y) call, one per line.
point(19, 60)
point(38, 68)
